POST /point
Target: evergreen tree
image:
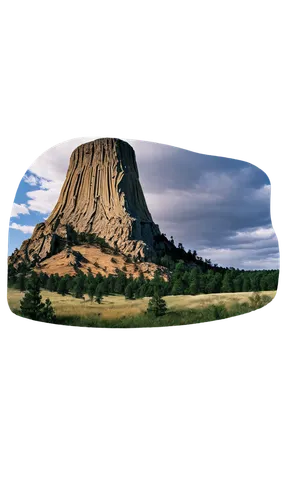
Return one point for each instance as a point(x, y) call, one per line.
point(69, 282)
point(254, 281)
point(98, 294)
point(143, 290)
point(226, 283)
point(91, 291)
point(158, 282)
point(194, 286)
point(90, 238)
point(62, 286)
point(186, 279)
point(104, 286)
point(11, 281)
point(121, 283)
point(129, 294)
point(178, 287)
point(237, 283)
point(48, 314)
point(57, 280)
point(157, 305)
point(210, 284)
point(218, 282)
point(272, 280)
point(21, 282)
point(78, 286)
point(203, 283)
point(43, 279)
point(263, 284)
point(246, 283)
point(51, 283)
point(32, 307)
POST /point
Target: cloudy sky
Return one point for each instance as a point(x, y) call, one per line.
point(217, 206)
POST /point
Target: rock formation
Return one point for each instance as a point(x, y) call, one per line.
point(101, 195)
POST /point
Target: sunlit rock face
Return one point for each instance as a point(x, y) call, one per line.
point(101, 195)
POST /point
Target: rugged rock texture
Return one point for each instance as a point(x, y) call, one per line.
point(101, 195)
point(88, 258)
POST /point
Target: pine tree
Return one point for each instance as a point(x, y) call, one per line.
point(120, 283)
point(237, 283)
point(178, 287)
point(157, 305)
point(129, 294)
point(158, 282)
point(43, 279)
point(194, 286)
point(62, 286)
point(90, 238)
point(91, 291)
point(246, 283)
point(78, 286)
point(31, 306)
point(48, 314)
point(99, 293)
point(57, 280)
point(21, 282)
point(51, 283)
point(254, 281)
point(226, 286)
point(210, 284)
point(143, 290)
point(272, 280)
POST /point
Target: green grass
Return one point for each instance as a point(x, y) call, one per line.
point(171, 318)
point(117, 312)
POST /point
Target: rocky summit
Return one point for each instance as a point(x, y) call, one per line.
point(101, 196)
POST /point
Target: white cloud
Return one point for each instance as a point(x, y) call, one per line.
point(233, 257)
point(44, 200)
point(50, 171)
point(24, 229)
point(260, 233)
point(18, 209)
point(31, 179)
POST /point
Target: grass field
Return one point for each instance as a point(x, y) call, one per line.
point(117, 312)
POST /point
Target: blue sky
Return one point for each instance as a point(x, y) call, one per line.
point(217, 206)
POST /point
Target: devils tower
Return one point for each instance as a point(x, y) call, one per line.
point(101, 195)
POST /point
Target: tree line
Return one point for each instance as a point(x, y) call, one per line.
point(184, 280)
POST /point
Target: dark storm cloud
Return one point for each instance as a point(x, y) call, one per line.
point(218, 206)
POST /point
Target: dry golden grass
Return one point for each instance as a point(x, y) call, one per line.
point(117, 306)
point(98, 262)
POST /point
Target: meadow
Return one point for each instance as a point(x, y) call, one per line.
point(117, 311)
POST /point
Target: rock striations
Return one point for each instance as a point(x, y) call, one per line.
point(101, 195)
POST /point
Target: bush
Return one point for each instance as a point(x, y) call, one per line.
point(256, 301)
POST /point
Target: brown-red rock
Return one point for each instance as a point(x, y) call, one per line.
point(101, 195)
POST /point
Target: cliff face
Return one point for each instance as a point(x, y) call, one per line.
point(101, 195)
